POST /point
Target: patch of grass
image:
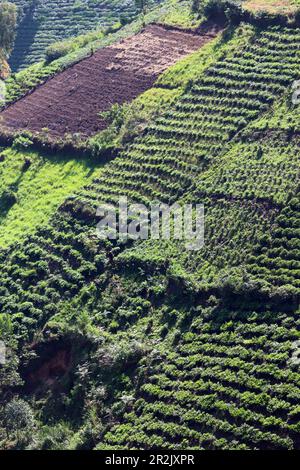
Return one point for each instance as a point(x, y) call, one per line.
point(180, 14)
point(271, 6)
point(39, 185)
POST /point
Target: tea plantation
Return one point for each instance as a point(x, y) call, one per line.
point(44, 22)
point(144, 344)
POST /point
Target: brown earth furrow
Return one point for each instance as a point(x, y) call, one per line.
point(71, 101)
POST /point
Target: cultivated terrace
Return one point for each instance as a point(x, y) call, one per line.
point(143, 344)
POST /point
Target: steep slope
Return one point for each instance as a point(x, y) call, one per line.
point(32, 187)
point(43, 22)
point(228, 384)
point(169, 348)
point(135, 68)
point(231, 380)
point(72, 100)
point(63, 54)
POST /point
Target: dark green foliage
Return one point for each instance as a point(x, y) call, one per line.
point(8, 19)
point(212, 391)
point(18, 416)
point(170, 349)
point(7, 200)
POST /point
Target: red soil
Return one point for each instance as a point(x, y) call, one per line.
point(51, 370)
point(70, 102)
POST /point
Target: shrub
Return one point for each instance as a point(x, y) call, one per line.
point(22, 140)
point(8, 199)
point(18, 417)
point(57, 50)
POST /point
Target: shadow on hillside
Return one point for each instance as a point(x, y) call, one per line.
point(26, 32)
point(9, 198)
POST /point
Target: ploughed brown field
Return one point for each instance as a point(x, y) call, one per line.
point(71, 101)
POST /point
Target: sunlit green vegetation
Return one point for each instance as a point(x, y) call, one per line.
point(65, 53)
point(32, 186)
point(160, 347)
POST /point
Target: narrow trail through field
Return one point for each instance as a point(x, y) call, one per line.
point(71, 101)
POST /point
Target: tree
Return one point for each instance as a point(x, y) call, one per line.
point(18, 417)
point(142, 6)
point(8, 21)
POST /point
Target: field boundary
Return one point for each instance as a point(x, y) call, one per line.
point(125, 69)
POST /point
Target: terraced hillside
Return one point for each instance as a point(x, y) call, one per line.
point(44, 22)
point(72, 100)
point(145, 345)
point(226, 385)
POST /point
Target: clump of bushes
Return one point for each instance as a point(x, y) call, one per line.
point(8, 199)
point(23, 140)
point(125, 122)
point(57, 50)
point(233, 12)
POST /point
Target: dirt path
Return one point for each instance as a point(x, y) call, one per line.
point(70, 101)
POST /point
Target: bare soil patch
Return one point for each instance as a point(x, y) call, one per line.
point(271, 6)
point(71, 101)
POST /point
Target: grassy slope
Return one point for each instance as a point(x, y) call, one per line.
point(53, 179)
point(39, 190)
point(212, 390)
point(174, 349)
point(15, 225)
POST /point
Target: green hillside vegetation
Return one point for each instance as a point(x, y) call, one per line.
point(32, 186)
point(42, 23)
point(61, 55)
point(54, 179)
point(130, 120)
point(8, 19)
point(144, 344)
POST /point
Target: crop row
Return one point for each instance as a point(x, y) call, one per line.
point(219, 402)
point(51, 21)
